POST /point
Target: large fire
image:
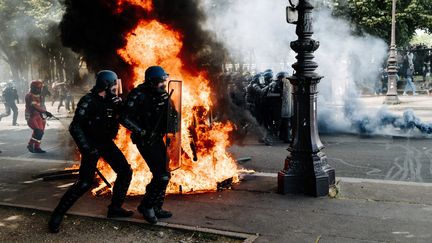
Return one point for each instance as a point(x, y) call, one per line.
point(153, 43)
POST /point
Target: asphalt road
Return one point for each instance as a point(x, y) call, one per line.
point(373, 157)
point(390, 158)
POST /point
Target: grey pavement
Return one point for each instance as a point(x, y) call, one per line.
point(365, 211)
point(382, 195)
point(378, 157)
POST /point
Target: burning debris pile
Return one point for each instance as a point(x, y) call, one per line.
point(128, 36)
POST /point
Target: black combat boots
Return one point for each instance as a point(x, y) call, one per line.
point(55, 221)
point(162, 214)
point(148, 214)
point(118, 212)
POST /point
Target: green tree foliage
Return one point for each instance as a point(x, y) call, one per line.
point(374, 17)
point(422, 39)
point(30, 40)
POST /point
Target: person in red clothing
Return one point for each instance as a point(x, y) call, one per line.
point(35, 114)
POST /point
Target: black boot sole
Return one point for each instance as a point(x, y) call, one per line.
point(150, 220)
point(163, 216)
point(121, 215)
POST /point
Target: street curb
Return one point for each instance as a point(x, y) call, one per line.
point(355, 180)
point(386, 182)
point(246, 237)
point(23, 159)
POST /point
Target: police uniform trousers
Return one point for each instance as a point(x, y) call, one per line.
point(115, 158)
point(157, 160)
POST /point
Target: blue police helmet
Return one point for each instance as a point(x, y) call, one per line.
point(105, 79)
point(155, 74)
point(268, 74)
point(256, 78)
point(282, 75)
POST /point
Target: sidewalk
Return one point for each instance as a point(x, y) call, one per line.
point(365, 211)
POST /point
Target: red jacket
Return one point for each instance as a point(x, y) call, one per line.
point(33, 106)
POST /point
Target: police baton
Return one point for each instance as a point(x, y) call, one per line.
point(103, 178)
point(97, 170)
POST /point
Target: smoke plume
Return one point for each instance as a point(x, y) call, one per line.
point(350, 64)
point(248, 30)
point(97, 29)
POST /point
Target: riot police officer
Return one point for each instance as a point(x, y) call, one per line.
point(274, 103)
point(268, 76)
point(251, 93)
point(94, 126)
point(145, 115)
point(259, 90)
point(10, 94)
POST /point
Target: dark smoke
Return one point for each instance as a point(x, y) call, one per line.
point(96, 30)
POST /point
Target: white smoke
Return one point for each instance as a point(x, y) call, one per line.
point(350, 64)
point(252, 30)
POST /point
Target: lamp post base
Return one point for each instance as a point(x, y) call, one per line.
point(316, 186)
point(315, 180)
point(391, 100)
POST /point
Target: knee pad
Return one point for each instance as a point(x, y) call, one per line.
point(84, 186)
point(163, 179)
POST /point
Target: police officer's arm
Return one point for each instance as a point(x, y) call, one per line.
point(129, 113)
point(82, 113)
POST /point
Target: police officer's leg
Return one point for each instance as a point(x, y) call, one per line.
point(157, 162)
point(115, 158)
point(15, 114)
point(7, 109)
point(60, 104)
point(156, 158)
point(67, 103)
point(84, 183)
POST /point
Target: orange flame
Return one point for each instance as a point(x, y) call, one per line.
point(145, 4)
point(153, 43)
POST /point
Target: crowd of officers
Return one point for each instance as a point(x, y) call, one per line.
point(262, 95)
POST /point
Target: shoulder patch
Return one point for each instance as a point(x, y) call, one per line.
point(81, 112)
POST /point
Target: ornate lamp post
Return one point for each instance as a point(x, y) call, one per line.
point(306, 169)
point(391, 96)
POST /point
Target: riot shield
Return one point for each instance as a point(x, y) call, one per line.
point(286, 112)
point(173, 135)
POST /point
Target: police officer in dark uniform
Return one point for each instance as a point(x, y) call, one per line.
point(10, 94)
point(259, 89)
point(145, 115)
point(250, 94)
point(268, 76)
point(94, 126)
point(274, 103)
